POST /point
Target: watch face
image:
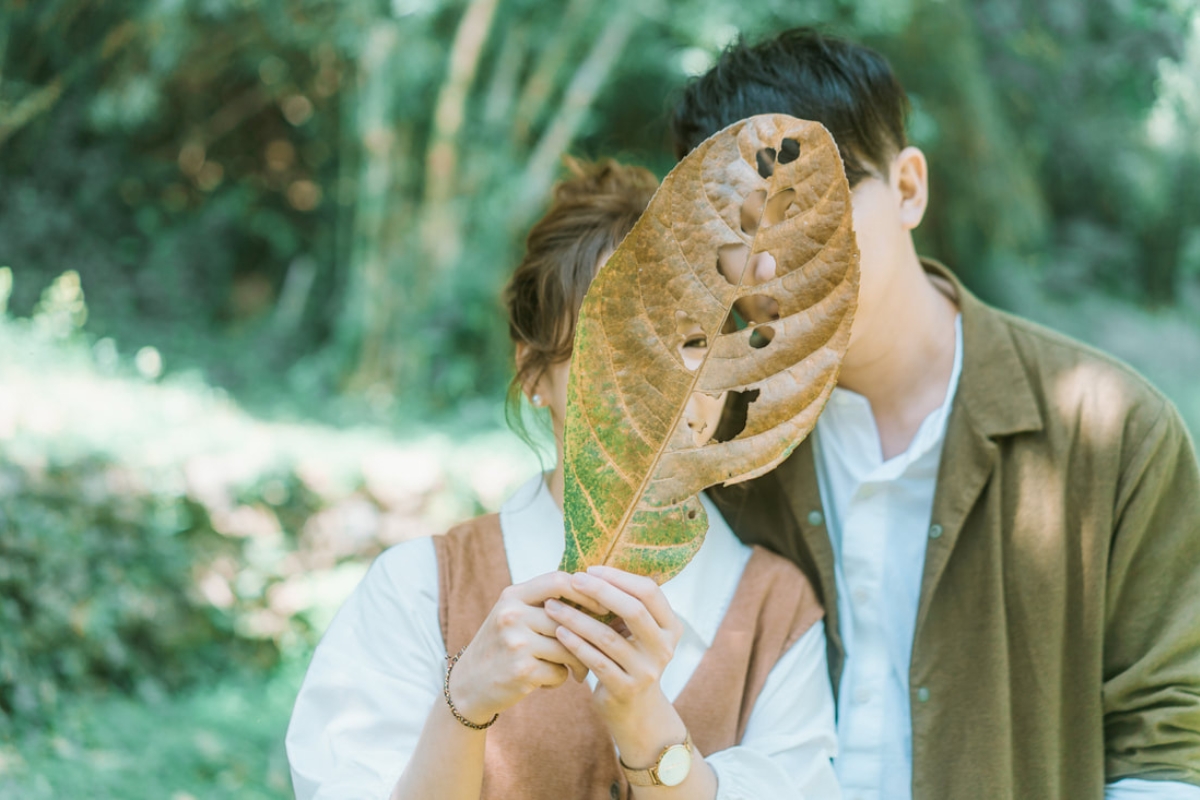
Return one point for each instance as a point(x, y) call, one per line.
point(674, 765)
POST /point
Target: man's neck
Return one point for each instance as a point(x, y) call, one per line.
point(902, 362)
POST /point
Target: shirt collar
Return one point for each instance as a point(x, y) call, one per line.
point(848, 424)
point(996, 393)
point(699, 595)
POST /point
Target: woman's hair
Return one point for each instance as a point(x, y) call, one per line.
point(590, 213)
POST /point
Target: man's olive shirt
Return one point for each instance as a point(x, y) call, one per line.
point(1057, 645)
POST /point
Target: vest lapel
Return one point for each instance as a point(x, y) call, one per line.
point(772, 607)
point(710, 704)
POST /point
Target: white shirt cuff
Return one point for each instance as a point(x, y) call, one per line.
point(1136, 789)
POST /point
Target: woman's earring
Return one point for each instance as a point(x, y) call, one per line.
point(536, 400)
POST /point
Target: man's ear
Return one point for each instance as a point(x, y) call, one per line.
point(911, 178)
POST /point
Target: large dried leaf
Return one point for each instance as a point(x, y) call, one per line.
point(772, 185)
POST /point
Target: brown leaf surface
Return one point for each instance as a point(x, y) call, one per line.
point(770, 187)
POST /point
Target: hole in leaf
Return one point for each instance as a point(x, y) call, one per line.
point(789, 151)
point(766, 161)
point(733, 419)
point(761, 336)
point(694, 345)
point(758, 308)
point(702, 415)
point(731, 261)
point(777, 207)
point(752, 210)
point(691, 514)
point(763, 268)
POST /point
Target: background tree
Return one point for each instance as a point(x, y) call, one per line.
point(310, 199)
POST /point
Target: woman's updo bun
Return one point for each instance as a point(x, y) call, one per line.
point(591, 211)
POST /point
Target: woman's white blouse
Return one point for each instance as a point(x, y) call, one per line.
point(378, 670)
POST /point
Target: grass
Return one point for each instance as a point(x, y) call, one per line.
point(219, 741)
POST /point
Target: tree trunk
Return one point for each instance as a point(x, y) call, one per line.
point(41, 100)
point(587, 82)
point(544, 79)
point(406, 245)
point(441, 226)
point(363, 324)
point(506, 76)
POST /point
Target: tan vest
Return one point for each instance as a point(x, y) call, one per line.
point(553, 745)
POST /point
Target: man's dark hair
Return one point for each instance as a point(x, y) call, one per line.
point(847, 87)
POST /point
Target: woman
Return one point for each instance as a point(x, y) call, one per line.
point(712, 686)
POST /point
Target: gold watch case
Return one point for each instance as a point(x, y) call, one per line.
point(671, 769)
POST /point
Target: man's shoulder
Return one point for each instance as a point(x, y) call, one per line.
point(1070, 378)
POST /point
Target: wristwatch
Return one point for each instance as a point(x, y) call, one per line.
point(671, 769)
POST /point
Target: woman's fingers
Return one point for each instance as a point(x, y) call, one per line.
point(547, 647)
point(536, 591)
point(545, 675)
point(600, 636)
point(644, 589)
point(641, 623)
point(607, 671)
point(583, 601)
point(539, 621)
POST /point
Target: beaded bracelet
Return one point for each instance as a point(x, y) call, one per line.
point(450, 662)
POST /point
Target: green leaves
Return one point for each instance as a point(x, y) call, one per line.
point(757, 218)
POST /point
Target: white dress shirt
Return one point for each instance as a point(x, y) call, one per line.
point(378, 670)
point(878, 516)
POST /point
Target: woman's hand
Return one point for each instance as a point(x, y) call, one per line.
point(515, 650)
point(628, 658)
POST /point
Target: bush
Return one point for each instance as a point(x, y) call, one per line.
point(153, 534)
point(223, 740)
point(97, 587)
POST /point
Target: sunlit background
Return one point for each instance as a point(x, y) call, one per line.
point(250, 259)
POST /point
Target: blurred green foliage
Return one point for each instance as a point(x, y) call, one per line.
point(153, 536)
point(97, 590)
point(310, 199)
point(222, 741)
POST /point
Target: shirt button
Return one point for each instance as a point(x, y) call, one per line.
point(815, 518)
point(862, 697)
point(861, 596)
point(935, 531)
point(614, 791)
point(923, 695)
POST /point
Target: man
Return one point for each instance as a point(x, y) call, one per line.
point(1004, 525)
